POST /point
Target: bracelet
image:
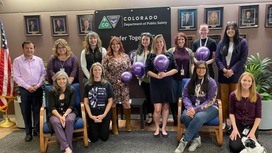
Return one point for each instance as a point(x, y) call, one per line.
point(64, 115)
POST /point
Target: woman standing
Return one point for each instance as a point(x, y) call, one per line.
point(63, 59)
point(184, 58)
point(62, 113)
point(231, 55)
point(144, 48)
point(199, 98)
point(205, 41)
point(245, 112)
point(98, 95)
point(115, 63)
point(93, 52)
point(161, 84)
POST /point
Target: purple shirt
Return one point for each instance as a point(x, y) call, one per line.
point(70, 67)
point(206, 99)
point(182, 58)
point(27, 73)
point(245, 112)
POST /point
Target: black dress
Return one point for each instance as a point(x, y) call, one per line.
point(162, 90)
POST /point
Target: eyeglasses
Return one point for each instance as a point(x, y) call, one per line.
point(231, 23)
point(203, 68)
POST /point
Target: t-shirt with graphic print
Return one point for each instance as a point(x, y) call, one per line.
point(98, 95)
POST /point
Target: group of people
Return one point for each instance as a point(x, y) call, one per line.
point(103, 88)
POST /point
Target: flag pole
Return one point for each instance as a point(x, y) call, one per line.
point(7, 122)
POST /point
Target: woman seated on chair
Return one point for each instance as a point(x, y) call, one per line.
point(199, 99)
point(98, 95)
point(245, 111)
point(62, 113)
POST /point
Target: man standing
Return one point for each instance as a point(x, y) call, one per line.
point(29, 73)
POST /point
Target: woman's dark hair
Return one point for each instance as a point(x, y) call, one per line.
point(194, 79)
point(225, 41)
point(140, 48)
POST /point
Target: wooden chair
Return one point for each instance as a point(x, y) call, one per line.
point(214, 127)
point(80, 127)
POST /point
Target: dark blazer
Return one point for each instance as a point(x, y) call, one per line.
point(237, 62)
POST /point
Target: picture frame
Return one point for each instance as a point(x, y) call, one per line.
point(85, 23)
point(214, 17)
point(268, 16)
point(243, 35)
point(187, 19)
point(33, 25)
point(249, 16)
point(59, 25)
point(190, 40)
point(216, 37)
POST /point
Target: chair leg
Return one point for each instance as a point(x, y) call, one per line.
point(42, 145)
point(114, 121)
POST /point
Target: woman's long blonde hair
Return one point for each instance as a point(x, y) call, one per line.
point(154, 43)
point(252, 89)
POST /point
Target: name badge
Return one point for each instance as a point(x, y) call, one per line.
point(245, 131)
point(181, 71)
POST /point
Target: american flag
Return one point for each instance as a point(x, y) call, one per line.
point(6, 81)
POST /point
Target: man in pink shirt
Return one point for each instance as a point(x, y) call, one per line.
point(29, 73)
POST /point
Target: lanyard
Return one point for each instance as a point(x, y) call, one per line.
point(205, 42)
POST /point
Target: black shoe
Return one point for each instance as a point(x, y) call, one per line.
point(28, 138)
point(36, 134)
point(149, 121)
point(165, 135)
point(156, 135)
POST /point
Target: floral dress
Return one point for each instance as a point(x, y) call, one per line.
point(113, 70)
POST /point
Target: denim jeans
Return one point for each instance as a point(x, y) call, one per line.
point(194, 124)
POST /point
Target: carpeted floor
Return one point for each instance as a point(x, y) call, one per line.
point(125, 142)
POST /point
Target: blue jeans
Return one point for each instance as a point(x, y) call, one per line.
point(194, 124)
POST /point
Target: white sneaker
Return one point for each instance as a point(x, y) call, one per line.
point(181, 146)
point(196, 142)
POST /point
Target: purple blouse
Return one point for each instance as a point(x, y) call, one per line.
point(70, 67)
point(245, 111)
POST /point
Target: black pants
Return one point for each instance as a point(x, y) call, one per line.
point(31, 104)
point(99, 130)
point(236, 146)
point(149, 106)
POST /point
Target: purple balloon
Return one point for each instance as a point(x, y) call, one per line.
point(126, 77)
point(202, 54)
point(138, 69)
point(161, 62)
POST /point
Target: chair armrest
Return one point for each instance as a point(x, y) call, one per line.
point(220, 113)
point(179, 115)
point(42, 118)
point(83, 113)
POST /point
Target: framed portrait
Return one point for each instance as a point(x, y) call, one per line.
point(249, 16)
point(33, 25)
point(190, 39)
point(268, 14)
point(85, 23)
point(59, 25)
point(187, 19)
point(214, 17)
point(216, 37)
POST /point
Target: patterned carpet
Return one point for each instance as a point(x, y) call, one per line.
point(125, 142)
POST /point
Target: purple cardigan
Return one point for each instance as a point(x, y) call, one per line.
point(206, 101)
point(245, 111)
point(237, 62)
point(71, 67)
